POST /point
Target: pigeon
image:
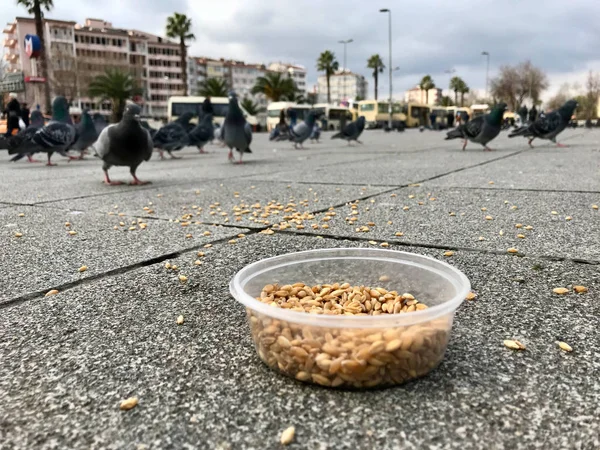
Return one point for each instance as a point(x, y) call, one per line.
point(548, 126)
point(86, 134)
point(237, 133)
point(99, 122)
point(147, 126)
point(57, 136)
point(23, 138)
point(301, 131)
point(202, 133)
point(481, 129)
point(173, 136)
point(126, 143)
point(352, 131)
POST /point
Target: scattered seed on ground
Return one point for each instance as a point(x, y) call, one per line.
point(129, 403)
point(287, 436)
point(580, 289)
point(180, 320)
point(560, 290)
point(82, 269)
point(51, 293)
point(514, 344)
point(449, 253)
point(471, 296)
point(564, 346)
point(17, 234)
point(512, 250)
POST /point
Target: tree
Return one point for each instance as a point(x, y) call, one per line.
point(455, 85)
point(462, 90)
point(588, 104)
point(516, 83)
point(563, 94)
point(251, 107)
point(376, 63)
point(328, 64)
point(37, 7)
point(213, 87)
point(276, 86)
point(116, 86)
point(179, 27)
point(446, 101)
point(426, 84)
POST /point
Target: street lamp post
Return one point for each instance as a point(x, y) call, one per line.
point(450, 72)
point(346, 42)
point(167, 79)
point(487, 73)
point(386, 10)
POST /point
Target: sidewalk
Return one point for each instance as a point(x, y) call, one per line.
point(66, 361)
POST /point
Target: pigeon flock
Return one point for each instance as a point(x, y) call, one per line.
point(132, 141)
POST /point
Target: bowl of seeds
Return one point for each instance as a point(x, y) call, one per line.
point(353, 318)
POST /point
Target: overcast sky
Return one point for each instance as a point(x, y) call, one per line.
point(562, 37)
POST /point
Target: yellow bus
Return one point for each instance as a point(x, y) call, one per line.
point(479, 110)
point(377, 114)
point(179, 105)
point(333, 115)
point(417, 115)
point(274, 110)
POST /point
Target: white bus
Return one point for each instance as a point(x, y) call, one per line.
point(274, 110)
point(333, 115)
point(179, 105)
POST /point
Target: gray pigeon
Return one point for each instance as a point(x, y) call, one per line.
point(352, 131)
point(173, 136)
point(481, 129)
point(202, 133)
point(86, 134)
point(549, 126)
point(237, 133)
point(301, 131)
point(57, 136)
point(125, 144)
point(23, 138)
point(99, 122)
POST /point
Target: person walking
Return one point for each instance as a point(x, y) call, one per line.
point(450, 119)
point(293, 115)
point(207, 107)
point(432, 119)
point(532, 114)
point(13, 113)
point(25, 114)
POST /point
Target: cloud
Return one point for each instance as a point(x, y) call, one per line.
point(428, 37)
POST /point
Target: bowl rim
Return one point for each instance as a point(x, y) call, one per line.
point(452, 275)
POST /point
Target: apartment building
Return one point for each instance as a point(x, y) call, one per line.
point(78, 53)
point(295, 71)
point(418, 95)
point(344, 86)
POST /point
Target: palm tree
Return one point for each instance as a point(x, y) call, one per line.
point(426, 84)
point(376, 63)
point(328, 64)
point(455, 84)
point(252, 108)
point(463, 89)
point(213, 87)
point(276, 86)
point(36, 8)
point(179, 27)
point(115, 86)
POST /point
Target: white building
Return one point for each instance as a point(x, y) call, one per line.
point(243, 78)
point(343, 86)
point(296, 72)
point(418, 95)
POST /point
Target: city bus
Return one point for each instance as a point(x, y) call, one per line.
point(377, 114)
point(479, 110)
point(417, 115)
point(274, 110)
point(333, 115)
point(179, 105)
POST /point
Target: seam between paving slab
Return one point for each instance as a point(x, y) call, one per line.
point(116, 271)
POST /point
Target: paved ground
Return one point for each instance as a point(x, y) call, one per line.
point(68, 360)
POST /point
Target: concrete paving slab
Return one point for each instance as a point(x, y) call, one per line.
point(47, 256)
point(396, 169)
point(551, 168)
point(564, 223)
point(220, 201)
point(69, 360)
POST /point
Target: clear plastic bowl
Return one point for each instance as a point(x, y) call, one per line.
point(353, 351)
